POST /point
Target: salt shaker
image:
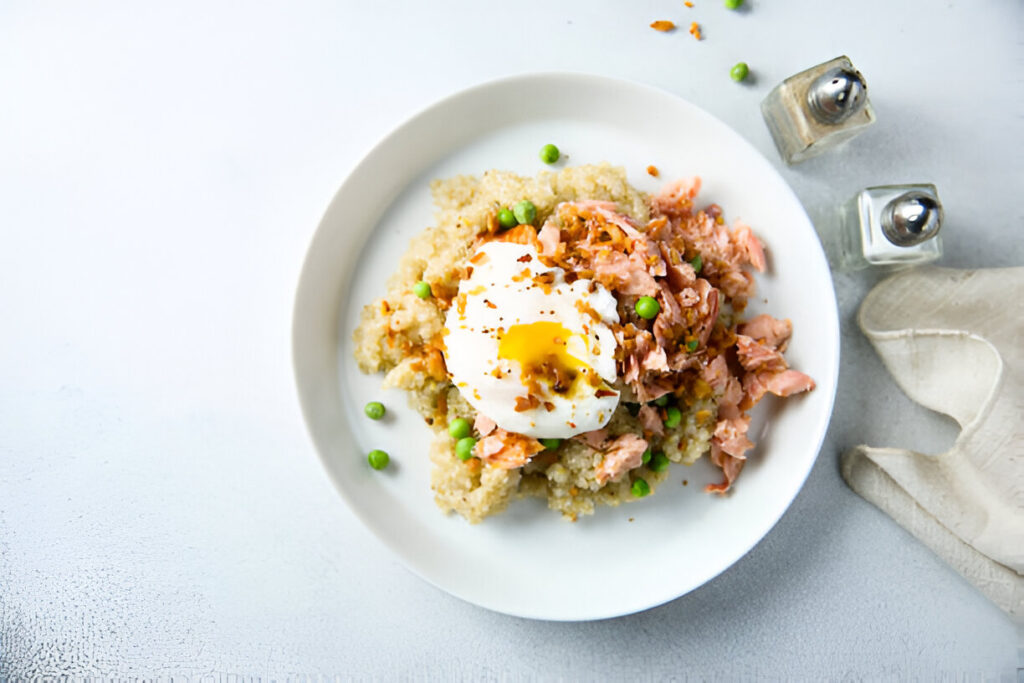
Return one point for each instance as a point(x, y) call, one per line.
point(817, 109)
point(891, 225)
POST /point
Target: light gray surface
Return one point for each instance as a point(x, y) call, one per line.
point(162, 168)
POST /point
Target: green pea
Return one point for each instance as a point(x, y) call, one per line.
point(551, 444)
point(691, 345)
point(506, 219)
point(661, 401)
point(640, 488)
point(673, 416)
point(647, 307)
point(739, 72)
point(421, 289)
point(549, 154)
point(378, 459)
point(459, 428)
point(646, 457)
point(464, 448)
point(525, 212)
point(733, 4)
point(697, 262)
point(659, 463)
point(374, 410)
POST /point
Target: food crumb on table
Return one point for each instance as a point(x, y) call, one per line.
point(663, 26)
point(652, 171)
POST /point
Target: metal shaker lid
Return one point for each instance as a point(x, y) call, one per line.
point(837, 94)
point(912, 218)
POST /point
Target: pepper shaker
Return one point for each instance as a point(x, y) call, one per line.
point(817, 109)
point(890, 225)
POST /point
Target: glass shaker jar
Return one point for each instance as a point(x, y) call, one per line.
point(817, 109)
point(890, 225)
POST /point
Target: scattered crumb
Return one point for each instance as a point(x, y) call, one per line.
point(631, 519)
point(695, 30)
point(688, 3)
point(685, 482)
point(663, 26)
point(652, 171)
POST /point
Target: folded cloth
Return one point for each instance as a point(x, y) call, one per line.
point(954, 342)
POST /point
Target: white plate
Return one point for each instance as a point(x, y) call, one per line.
point(528, 561)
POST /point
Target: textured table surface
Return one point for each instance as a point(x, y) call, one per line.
point(162, 169)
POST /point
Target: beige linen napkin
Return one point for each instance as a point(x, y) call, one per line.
point(954, 342)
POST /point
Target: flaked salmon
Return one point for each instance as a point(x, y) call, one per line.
point(507, 450)
point(622, 454)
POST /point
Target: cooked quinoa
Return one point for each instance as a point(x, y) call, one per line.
point(400, 335)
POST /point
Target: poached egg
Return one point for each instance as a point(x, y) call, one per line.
point(529, 350)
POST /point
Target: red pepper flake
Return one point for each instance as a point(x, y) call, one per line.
point(663, 26)
point(528, 402)
point(652, 171)
point(695, 30)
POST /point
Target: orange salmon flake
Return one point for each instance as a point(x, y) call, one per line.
point(652, 171)
point(663, 26)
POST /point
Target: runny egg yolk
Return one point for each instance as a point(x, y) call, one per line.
point(543, 348)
